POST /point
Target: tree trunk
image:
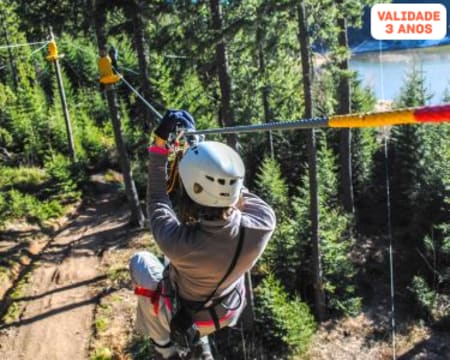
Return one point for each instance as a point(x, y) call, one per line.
point(137, 217)
point(319, 295)
point(142, 54)
point(99, 21)
point(344, 107)
point(260, 38)
point(226, 116)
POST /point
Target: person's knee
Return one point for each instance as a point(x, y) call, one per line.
point(136, 259)
point(145, 269)
point(133, 264)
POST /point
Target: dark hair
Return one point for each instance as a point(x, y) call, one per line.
point(191, 212)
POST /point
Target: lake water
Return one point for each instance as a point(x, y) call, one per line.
point(386, 79)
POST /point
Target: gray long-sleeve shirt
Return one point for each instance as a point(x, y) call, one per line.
point(201, 255)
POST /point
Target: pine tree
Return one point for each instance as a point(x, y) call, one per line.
point(336, 240)
point(282, 257)
point(412, 160)
point(432, 280)
point(365, 146)
point(285, 323)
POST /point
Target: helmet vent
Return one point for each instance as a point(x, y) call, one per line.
point(221, 181)
point(225, 194)
point(198, 188)
point(210, 178)
point(233, 181)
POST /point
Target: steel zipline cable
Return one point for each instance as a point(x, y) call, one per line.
point(319, 122)
point(146, 103)
point(150, 106)
point(12, 46)
point(39, 48)
point(427, 114)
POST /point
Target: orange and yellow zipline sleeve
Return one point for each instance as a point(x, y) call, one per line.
point(427, 114)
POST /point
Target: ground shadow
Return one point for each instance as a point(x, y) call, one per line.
point(104, 211)
point(93, 300)
point(436, 347)
point(63, 288)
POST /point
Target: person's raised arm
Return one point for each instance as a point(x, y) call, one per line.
point(167, 230)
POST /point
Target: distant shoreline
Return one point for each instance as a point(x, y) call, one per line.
point(403, 54)
point(371, 46)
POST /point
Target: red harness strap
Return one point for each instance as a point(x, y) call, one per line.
point(154, 296)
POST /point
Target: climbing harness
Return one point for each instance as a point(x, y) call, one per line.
point(184, 332)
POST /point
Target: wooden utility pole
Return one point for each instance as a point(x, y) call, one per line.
point(53, 56)
point(319, 294)
point(137, 217)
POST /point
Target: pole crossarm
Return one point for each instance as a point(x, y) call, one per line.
point(427, 114)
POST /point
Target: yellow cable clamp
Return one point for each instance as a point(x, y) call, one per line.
point(107, 75)
point(52, 51)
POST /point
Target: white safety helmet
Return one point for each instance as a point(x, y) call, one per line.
point(212, 174)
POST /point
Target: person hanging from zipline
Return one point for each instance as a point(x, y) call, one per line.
point(220, 232)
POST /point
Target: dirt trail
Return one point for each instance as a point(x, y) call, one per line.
point(58, 305)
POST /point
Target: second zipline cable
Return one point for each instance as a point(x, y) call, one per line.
point(12, 46)
point(150, 106)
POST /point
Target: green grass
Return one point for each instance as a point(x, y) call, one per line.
point(16, 205)
point(4, 273)
point(22, 188)
point(140, 348)
point(23, 177)
point(102, 353)
point(101, 324)
point(15, 309)
point(118, 275)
